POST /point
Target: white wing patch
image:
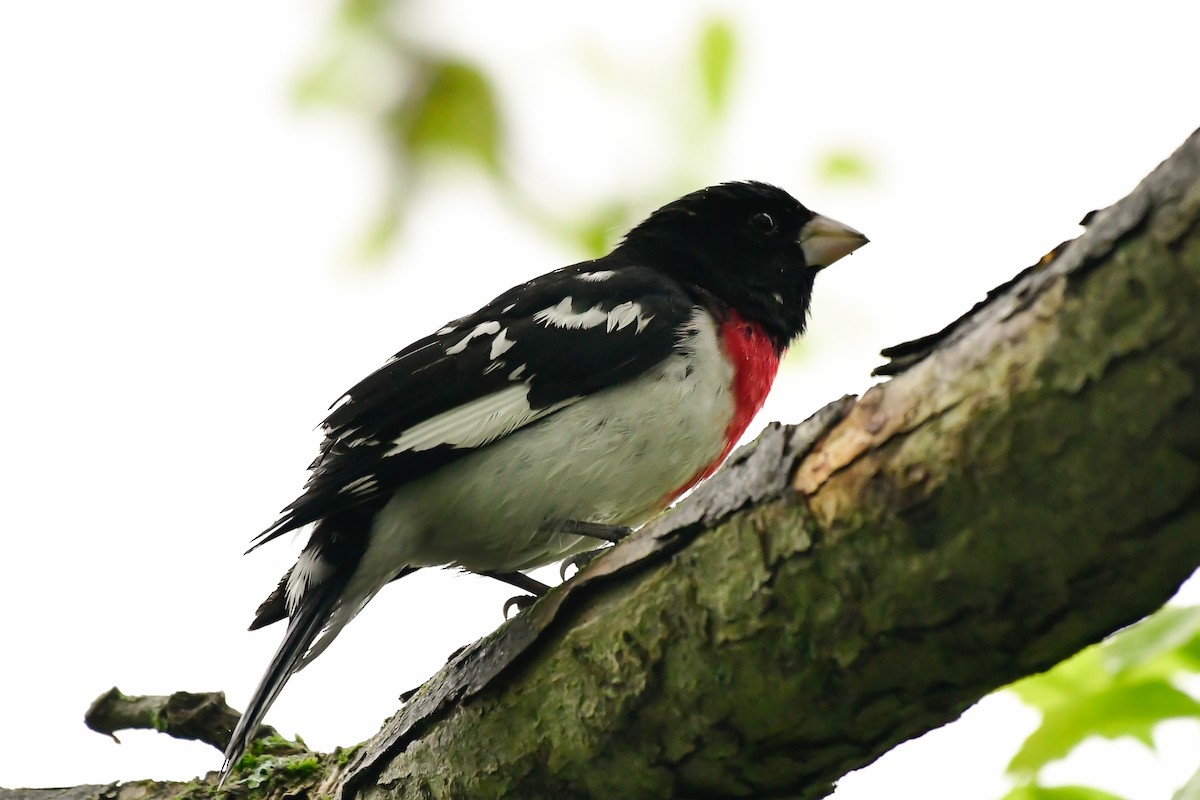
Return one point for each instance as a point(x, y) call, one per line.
point(359, 485)
point(476, 423)
point(564, 315)
point(482, 329)
point(597, 276)
point(627, 314)
point(501, 344)
point(516, 373)
point(343, 437)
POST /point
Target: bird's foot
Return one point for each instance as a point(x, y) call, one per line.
point(522, 581)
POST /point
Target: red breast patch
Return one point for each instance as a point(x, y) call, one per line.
point(755, 364)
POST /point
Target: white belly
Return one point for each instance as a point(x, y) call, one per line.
point(615, 457)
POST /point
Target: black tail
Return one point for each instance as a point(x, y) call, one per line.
point(303, 628)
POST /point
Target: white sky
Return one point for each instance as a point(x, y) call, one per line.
point(178, 308)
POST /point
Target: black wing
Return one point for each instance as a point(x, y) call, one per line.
point(530, 352)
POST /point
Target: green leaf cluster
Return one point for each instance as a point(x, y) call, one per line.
point(717, 51)
point(1122, 687)
point(431, 108)
point(452, 109)
point(845, 166)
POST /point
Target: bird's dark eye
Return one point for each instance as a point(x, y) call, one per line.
point(763, 223)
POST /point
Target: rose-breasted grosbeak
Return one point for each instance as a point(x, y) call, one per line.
point(583, 401)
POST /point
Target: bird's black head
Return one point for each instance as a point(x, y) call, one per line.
point(750, 245)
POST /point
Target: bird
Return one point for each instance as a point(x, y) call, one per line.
point(566, 411)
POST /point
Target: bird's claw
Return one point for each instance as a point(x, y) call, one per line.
point(520, 602)
point(579, 561)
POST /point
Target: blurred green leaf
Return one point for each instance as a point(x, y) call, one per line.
point(1189, 655)
point(454, 111)
point(1082, 674)
point(1159, 646)
point(844, 166)
point(1035, 792)
point(1160, 635)
point(1121, 687)
point(360, 63)
point(328, 81)
point(1118, 710)
point(365, 12)
point(718, 50)
point(382, 232)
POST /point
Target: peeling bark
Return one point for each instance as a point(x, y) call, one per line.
point(1027, 483)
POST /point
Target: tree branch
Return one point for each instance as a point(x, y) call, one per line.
point(204, 717)
point(1026, 484)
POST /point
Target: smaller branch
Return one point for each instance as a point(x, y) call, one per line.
point(203, 717)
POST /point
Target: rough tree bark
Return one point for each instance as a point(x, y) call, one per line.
point(1027, 483)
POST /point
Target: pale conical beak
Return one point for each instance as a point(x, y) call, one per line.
point(825, 240)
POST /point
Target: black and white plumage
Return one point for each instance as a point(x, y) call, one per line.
point(597, 393)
